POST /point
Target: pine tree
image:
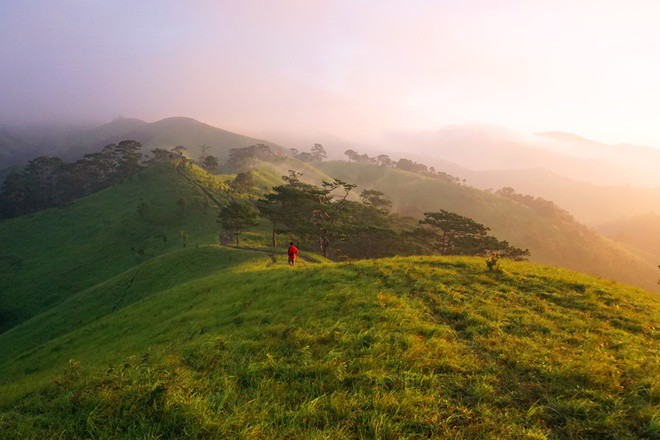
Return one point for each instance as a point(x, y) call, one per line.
point(236, 216)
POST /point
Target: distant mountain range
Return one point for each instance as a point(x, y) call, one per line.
point(166, 133)
point(597, 183)
point(484, 148)
point(551, 240)
point(589, 203)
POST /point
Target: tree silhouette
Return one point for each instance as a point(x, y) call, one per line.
point(450, 233)
point(236, 216)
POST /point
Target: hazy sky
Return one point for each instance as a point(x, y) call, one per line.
point(352, 68)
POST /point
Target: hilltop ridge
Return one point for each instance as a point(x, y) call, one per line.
point(72, 144)
point(173, 131)
point(124, 317)
point(416, 346)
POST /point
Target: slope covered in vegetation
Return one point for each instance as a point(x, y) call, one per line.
point(49, 255)
point(403, 347)
point(174, 131)
point(550, 240)
point(641, 231)
point(118, 330)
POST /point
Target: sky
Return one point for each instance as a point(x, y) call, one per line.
point(354, 68)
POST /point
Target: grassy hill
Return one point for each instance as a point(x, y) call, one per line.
point(114, 331)
point(71, 144)
point(48, 256)
point(232, 344)
point(171, 132)
point(272, 172)
point(550, 242)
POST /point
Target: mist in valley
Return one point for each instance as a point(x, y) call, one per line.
point(553, 100)
point(329, 219)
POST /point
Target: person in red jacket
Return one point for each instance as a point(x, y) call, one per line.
point(293, 253)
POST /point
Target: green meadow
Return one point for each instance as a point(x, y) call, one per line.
point(117, 332)
point(395, 348)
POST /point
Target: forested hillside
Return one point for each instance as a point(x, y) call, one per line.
point(52, 255)
point(551, 239)
point(640, 231)
point(72, 144)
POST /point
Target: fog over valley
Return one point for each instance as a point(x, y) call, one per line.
point(336, 219)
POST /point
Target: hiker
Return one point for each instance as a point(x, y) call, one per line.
point(293, 253)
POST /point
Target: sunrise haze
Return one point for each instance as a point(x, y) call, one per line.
point(353, 69)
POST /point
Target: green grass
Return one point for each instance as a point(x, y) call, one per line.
point(149, 278)
point(216, 342)
point(50, 255)
point(396, 348)
point(271, 172)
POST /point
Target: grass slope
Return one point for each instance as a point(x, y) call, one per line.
point(590, 204)
point(395, 348)
point(51, 255)
point(549, 241)
point(272, 172)
point(118, 332)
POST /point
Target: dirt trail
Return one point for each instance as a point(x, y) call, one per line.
point(270, 252)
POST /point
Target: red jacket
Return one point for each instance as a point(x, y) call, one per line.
point(293, 251)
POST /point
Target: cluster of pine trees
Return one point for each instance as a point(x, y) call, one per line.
point(339, 225)
point(326, 219)
point(404, 164)
point(46, 182)
point(240, 157)
point(316, 154)
point(547, 208)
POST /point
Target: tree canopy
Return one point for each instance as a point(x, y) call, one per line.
point(236, 216)
point(449, 233)
point(47, 182)
point(316, 154)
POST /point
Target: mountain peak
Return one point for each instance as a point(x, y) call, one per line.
point(179, 119)
point(565, 137)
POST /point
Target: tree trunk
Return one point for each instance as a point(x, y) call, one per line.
point(274, 240)
point(324, 243)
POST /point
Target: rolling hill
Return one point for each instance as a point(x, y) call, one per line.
point(171, 132)
point(385, 349)
point(550, 241)
point(48, 256)
point(72, 144)
point(590, 204)
point(483, 148)
point(121, 331)
point(640, 231)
